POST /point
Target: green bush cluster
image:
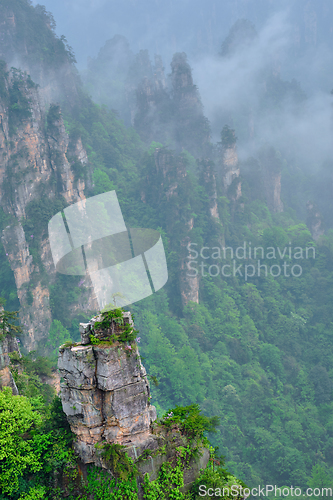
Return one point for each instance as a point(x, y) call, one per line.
point(127, 333)
point(190, 421)
point(28, 372)
point(37, 460)
point(121, 465)
point(35, 441)
point(34, 35)
point(8, 322)
point(228, 137)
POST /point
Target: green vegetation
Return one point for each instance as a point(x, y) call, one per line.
point(94, 340)
point(256, 352)
point(8, 324)
point(58, 335)
point(29, 373)
point(15, 93)
point(124, 333)
point(228, 137)
point(224, 484)
point(190, 421)
point(103, 487)
point(19, 106)
point(170, 480)
point(17, 455)
point(37, 461)
point(121, 465)
point(34, 35)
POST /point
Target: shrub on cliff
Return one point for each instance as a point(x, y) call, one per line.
point(228, 137)
point(112, 322)
point(7, 323)
point(17, 454)
point(190, 421)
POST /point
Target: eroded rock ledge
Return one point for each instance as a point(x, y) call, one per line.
point(106, 396)
point(105, 393)
point(7, 345)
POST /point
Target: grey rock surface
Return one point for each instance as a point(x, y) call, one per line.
point(7, 345)
point(106, 396)
point(105, 393)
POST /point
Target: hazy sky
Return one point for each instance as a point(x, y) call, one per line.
point(197, 27)
point(295, 35)
point(162, 26)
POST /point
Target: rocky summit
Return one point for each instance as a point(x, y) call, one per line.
point(105, 393)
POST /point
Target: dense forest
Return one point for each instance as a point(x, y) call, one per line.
point(251, 345)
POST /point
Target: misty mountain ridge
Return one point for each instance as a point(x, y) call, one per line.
point(242, 87)
point(216, 152)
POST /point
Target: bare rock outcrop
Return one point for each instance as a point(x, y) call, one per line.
point(7, 345)
point(230, 172)
point(36, 169)
point(271, 168)
point(106, 397)
point(35, 312)
point(230, 166)
point(106, 394)
point(170, 173)
point(314, 220)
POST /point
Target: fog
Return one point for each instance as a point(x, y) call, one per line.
point(293, 44)
point(233, 88)
point(193, 26)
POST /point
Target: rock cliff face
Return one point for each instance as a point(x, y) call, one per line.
point(37, 162)
point(209, 181)
point(54, 72)
point(191, 128)
point(189, 283)
point(314, 221)
point(105, 393)
point(34, 164)
point(106, 397)
point(171, 112)
point(9, 344)
point(170, 173)
point(271, 167)
point(35, 313)
point(231, 172)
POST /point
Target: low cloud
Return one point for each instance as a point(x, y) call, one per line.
point(233, 90)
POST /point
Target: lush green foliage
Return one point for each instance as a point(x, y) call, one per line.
point(35, 441)
point(8, 326)
point(257, 352)
point(228, 137)
point(121, 465)
point(29, 373)
point(215, 477)
point(190, 421)
point(103, 487)
point(169, 482)
point(34, 35)
point(16, 454)
point(36, 451)
point(58, 335)
point(125, 333)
